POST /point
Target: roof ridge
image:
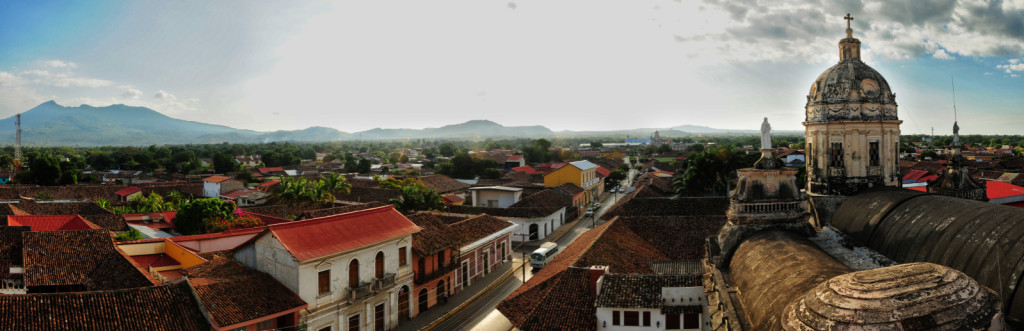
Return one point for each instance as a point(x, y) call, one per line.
point(335, 217)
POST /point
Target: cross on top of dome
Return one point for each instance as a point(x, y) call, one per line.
point(849, 31)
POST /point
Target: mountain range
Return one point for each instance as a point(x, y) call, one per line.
point(51, 124)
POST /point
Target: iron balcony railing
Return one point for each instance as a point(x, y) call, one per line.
point(421, 279)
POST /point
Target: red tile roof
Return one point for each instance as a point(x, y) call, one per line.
point(270, 183)
point(217, 179)
point(918, 188)
point(514, 158)
point(914, 175)
point(10, 247)
point(269, 170)
point(51, 222)
point(526, 169)
point(165, 307)
point(128, 191)
point(451, 198)
point(313, 238)
point(233, 293)
point(443, 184)
point(602, 171)
point(994, 190)
point(236, 193)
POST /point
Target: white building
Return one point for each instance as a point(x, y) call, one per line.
point(352, 269)
point(495, 196)
point(651, 302)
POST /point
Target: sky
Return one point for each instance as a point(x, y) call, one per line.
point(568, 65)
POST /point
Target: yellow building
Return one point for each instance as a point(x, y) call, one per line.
point(581, 173)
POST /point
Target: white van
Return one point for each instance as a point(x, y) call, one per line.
point(540, 257)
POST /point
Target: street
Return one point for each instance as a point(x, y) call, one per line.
point(481, 314)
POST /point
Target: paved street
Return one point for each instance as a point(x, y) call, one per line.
point(480, 314)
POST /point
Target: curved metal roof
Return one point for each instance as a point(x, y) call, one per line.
point(983, 240)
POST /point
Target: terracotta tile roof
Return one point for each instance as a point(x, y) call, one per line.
point(677, 237)
point(435, 235)
point(669, 207)
point(86, 258)
point(339, 210)
point(233, 293)
point(514, 158)
point(165, 307)
point(271, 183)
point(51, 222)
point(313, 238)
point(10, 248)
point(524, 169)
point(622, 250)
point(234, 194)
point(128, 191)
point(570, 189)
point(548, 201)
point(479, 227)
point(443, 184)
point(640, 291)
point(217, 179)
point(602, 171)
point(62, 208)
point(369, 194)
point(451, 198)
point(112, 222)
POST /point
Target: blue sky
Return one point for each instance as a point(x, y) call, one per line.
point(567, 65)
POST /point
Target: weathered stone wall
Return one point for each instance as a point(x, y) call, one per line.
point(823, 207)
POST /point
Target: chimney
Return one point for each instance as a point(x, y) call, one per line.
point(595, 273)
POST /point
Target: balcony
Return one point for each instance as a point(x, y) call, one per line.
point(384, 282)
point(421, 279)
point(360, 292)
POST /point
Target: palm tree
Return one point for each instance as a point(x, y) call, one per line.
point(292, 191)
point(336, 184)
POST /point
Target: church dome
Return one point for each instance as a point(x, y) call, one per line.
point(850, 90)
point(909, 296)
point(850, 81)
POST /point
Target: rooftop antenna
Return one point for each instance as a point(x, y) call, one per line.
point(17, 139)
point(953, 83)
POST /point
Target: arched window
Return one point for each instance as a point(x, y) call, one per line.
point(353, 274)
point(378, 265)
point(533, 231)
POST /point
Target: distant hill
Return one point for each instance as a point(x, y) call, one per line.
point(51, 124)
point(468, 130)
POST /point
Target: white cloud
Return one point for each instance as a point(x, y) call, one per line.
point(59, 64)
point(131, 94)
point(160, 94)
point(942, 55)
point(1012, 65)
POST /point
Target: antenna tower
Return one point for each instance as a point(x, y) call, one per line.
point(17, 139)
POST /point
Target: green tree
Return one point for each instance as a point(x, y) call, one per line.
point(335, 185)
point(131, 234)
point(614, 178)
point(223, 163)
point(45, 170)
point(415, 198)
point(194, 215)
point(447, 149)
point(664, 148)
point(596, 144)
point(364, 166)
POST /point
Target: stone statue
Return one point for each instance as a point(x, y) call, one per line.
point(766, 137)
point(956, 135)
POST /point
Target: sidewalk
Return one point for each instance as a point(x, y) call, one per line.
point(435, 313)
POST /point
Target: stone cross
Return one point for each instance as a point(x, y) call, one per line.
point(766, 137)
point(848, 19)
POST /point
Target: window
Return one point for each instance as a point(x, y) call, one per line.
point(631, 318)
point(265, 325)
point(353, 274)
point(353, 323)
point(837, 155)
point(647, 318)
point(615, 318)
point(324, 281)
point(810, 153)
point(671, 321)
point(873, 151)
point(326, 328)
point(691, 320)
point(402, 259)
point(378, 265)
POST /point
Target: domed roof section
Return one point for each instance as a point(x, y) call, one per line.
point(850, 81)
point(909, 296)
